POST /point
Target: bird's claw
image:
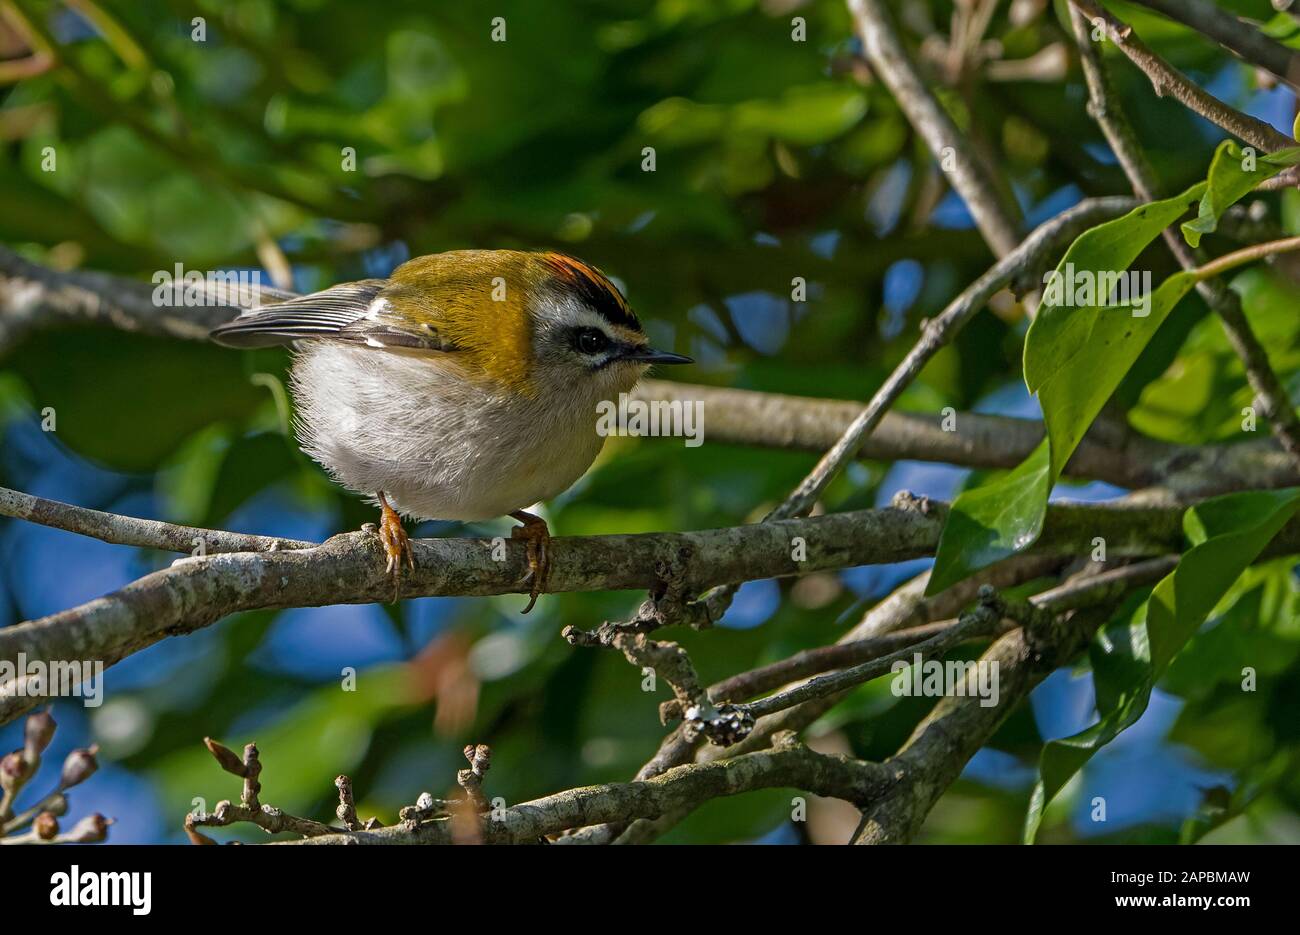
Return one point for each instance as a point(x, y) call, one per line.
point(396, 543)
point(536, 535)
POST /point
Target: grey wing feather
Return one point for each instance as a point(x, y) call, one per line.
point(339, 313)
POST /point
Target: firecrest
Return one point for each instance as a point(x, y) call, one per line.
point(463, 387)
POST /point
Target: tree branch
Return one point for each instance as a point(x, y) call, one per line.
point(982, 620)
point(1023, 259)
point(32, 295)
point(130, 530)
point(959, 725)
point(881, 45)
point(195, 592)
point(1076, 594)
point(1233, 34)
point(1166, 79)
point(682, 789)
point(1110, 451)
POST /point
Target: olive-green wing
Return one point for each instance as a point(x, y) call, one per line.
point(354, 312)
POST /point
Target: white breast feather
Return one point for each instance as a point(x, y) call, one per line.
point(439, 445)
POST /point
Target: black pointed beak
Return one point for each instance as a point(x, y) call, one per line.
point(648, 355)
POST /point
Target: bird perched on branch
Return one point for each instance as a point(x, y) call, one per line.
point(463, 387)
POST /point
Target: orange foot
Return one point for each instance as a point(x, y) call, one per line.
point(535, 532)
point(397, 544)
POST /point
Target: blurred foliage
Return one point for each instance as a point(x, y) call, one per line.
point(341, 138)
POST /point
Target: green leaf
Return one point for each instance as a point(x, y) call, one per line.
point(992, 522)
point(1281, 27)
point(998, 520)
point(1230, 179)
point(1077, 355)
point(1073, 396)
point(1228, 533)
point(1060, 329)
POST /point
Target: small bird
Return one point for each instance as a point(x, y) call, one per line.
point(463, 387)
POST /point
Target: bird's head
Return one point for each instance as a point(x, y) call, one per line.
point(537, 322)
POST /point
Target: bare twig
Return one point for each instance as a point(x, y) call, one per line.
point(1166, 79)
point(270, 819)
point(1233, 34)
point(1070, 596)
point(130, 530)
point(471, 780)
point(42, 819)
point(938, 332)
point(982, 620)
point(788, 765)
point(993, 215)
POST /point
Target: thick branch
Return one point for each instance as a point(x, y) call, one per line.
point(1109, 452)
point(195, 592)
point(950, 735)
point(32, 295)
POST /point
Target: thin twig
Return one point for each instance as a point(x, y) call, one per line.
point(984, 619)
point(978, 622)
point(130, 530)
point(1069, 596)
point(1166, 79)
point(1230, 261)
point(939, 331)
point(684, 788)
point(1233, 34)
point(993, 215)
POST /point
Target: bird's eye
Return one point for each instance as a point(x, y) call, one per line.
point(591, 340)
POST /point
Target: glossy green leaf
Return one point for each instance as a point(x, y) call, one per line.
point(1061, 329)
point(1073, 396)
point(1082, 345)
point(1233, 174)
point(990, 523)
point(1128, 657)
point(1075, 357)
